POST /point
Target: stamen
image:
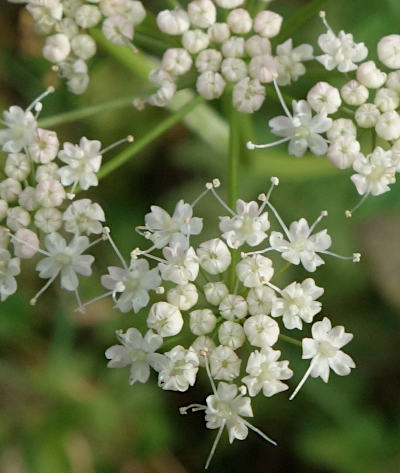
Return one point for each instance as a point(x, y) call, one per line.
point(129, 139)
point(92, 301)
point(281, 223)
point(155, 258)
point(275, 288)
point(322, 15)
point(129, 44)
point(323, 214)
point(194, 407)
point(303, 380)
point(259, 432)
point(205, 355)
point(225, 206)
point(214, 184)
point(106, 233)
point(13, 237)
point(264, 198)
point(80, 307)
point(349, 213)
point(251, 145)
point(49, 90)
point(214, 447)
point(94, 242)
point(160, 290)
point(39, 293)
point(258, 252)
point(279, 94)
point(38, 109)
point(353, 257)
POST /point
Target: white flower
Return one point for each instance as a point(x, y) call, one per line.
point(177, 369)
point(133, 284)
point(254, 271)
point(386, 100)
point(324, 98)
point(202, 321)
point(231, 334)
point(135, 11)
point(260, 300)
point(343, 151)
point(290, 61)
point(249, 225)
point(9, 268)
point(248, 95)
point(17, 217)
point(210, 85)
point(370, 76)
point(267, 23)
point(56, 48)
point(165, 319)
point(234, 47)
point(44, 147)
point(166, 230)
point(83, 46)
point(26, 243)
point(87, 16)
point(118, 30)
point(298, 303)
point(18, 166)
point(342, 127)
point(195, 41)
point(302, 247)
point(209, 60)
point(389, 51)
point(10, 189)
point(258, 46)
point(46, 172)
point(214, 256)
point(374, 172)
point(265, 372)
point(324, 350)
point(20, 129)
point(46, 14)
point(50, 193)
point(166, 88)
point(239, 21)
point(354, 93)
point(202, 13)
point(83, 162)
point(233, 307)
point(302, 130)
point(137, 351)
point(181, 265)
point(66, 260)
point(388, 126)
point(234, 69)
point(176, 61)
point(219, 32)
point(263, 68)
point(215, 292)
point(84, 217)
point(229, 3)
point(224, 363)
point(76, 75)
point(261, 330)
point(48, 220)
point(367, 115)
point(393, 81)
point(184, 297)
point(202, 345)
point(173, 22)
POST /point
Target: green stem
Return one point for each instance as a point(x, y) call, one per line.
point(291, 340)
point(81, 113)
point(142, 142)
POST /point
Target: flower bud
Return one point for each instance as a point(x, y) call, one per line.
point(254, 271)
point(248, 95)
point(233, 47)
point(176, 61)
point(68, 27)
point(87, 16)
point(219, 32)
point(208, 60)
point(388, 126)
point(231, 334)
point(56, 48)
point(389, 51)
point(229, 3)
point(367, 115)
point(261, 330)
point(324, 98)
point(48, 220)
point(117, 29)
point(393, 81)
point(173, 22)
point(27, 199)
point(83, 46)
point(50, 193)
point(214, 256)
point(260, 299)
point(203, 346)
point(234, 69)
point(239, 21)
point(370, 76)
point(386, 100)
point(17, 166)
point(202, 13)
point(233, 306)
point(3, 209)
point(26, 244)
point(258, 46)
point(354, 93)
point(210, 85)
point(165, 319)
point(135, 12)
point(10, 189)
point(215, 292)
point(341, 127)
point(47, 171)
point(44, 147)
point(343, 151)
point(17, 217)
point(184, 297)
point(263, 68)
point(195, 41)
point(202, 321)
point(267, 23)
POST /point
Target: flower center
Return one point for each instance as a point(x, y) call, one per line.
point(62, 259)
point(326, 349)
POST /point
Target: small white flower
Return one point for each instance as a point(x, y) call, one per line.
point(258, 46)
point(260, 300)
point(50, 193)
point(302, 247)
point(10, 189)
point(46, 172)
point(367, 115)
point(195, 41)
point(219, 32)
point(173, 22)
point(83, 161)
point(83, 46)
point(177, 369)
point(386, 100)
point(202, 321)
point(354, 93)
point(184, 297)
point(234, 69)
point(231, 334)
point(342, 127)
point(46, 14)
point(215, 292)
point(214, 256)
point(118, 30)
point(370, 76)
point(239, 21)
point(165, 319)
point(261, 330)
point(18, 166)
point(254, 271)
point(17, 217)
point(181, 265)
point(388, 126)
point(9, 268)
point(343, 151)
point(324, 98)
point(298, 303)
point(48, 220)
point(389, 51)
point(233, 307)
point(210, 85)
point(265, 373)
point(84, 217)
point(393, 81)
point(208, 60)
point(136, 351)
point(229, 3)
point(20, 129)
point(87, 16)
point(176, 61)
point(203, 345)
point(224, 363)
point(26, 243)
point(290, 61)
point(249, 225)
point(248, 95)
point(263, 68)
point(234, 47)
point(44, 147)
point(66, 260)
point(267, 23)
point(202, 13)
point(374, 173)
point(56, 48)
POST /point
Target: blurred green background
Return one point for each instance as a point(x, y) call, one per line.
point(63, 411)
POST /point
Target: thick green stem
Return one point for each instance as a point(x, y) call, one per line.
point(291, 340)
point(82, 113)
point(142, 142)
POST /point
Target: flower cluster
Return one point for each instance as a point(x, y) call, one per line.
point(368, 101)
point(37, 200)
point(226, 310)
point(68, 44)
point(235, 53)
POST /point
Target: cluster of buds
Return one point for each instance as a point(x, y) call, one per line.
point(37, 201)
point(236, 52)
point(223, 308)
point(66, 23)
point(369, 101)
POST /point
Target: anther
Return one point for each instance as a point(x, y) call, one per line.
point(136, 253)
point(216, 183)
point(324, 213)
point(348, 214)
point(33, 301)
point(130, 138)
point(250, 145)
point(209, 185)
point(322, 14)
point(160, 290)
point(262, 197)
point(275, 181)
point(356, 257)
